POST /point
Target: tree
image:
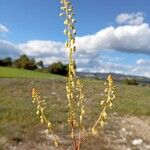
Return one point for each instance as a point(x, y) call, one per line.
point(25, 62)
point(6, 61)
point(40, 64)
point(1, 62)
point(58, 68)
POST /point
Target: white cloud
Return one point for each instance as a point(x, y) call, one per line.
point(47, 51)
point(106, 68)
point(143, 62)
point(135, 39)
point(127, 38)
point(41, 48)
point(131, 19)
point(3, 29)
point(51, 59)
point(8, 49)
point(140, 71)
point(118, 68)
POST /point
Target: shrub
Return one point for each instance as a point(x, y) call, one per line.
point(130, 81)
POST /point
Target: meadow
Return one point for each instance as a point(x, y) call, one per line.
point(20, 128)
point(9, 72)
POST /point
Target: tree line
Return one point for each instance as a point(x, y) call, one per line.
point(25, 62)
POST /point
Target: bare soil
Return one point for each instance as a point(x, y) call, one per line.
point(120, 133)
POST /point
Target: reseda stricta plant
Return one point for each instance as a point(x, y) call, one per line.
point(74, 91)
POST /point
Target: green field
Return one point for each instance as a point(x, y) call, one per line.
point(8, 72)
point(18, 122)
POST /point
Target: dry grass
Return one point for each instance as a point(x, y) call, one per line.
point(19, 124)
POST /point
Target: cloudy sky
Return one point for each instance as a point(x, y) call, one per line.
point(112, 35)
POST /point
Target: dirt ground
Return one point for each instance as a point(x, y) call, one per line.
point(120, 133)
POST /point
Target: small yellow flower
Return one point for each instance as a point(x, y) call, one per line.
point(49, 124)
point(94, 132)
point(38, 112)
point(66, 22)
point(56, 143)
point(42, 120)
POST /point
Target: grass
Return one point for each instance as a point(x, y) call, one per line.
point(133, 100)
point(18, 121)
point(21, 73)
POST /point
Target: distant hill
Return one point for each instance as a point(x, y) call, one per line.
point(117, 77)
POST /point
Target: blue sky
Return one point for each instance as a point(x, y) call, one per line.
point(112, 35)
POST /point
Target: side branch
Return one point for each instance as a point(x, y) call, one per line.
point(105, 104)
